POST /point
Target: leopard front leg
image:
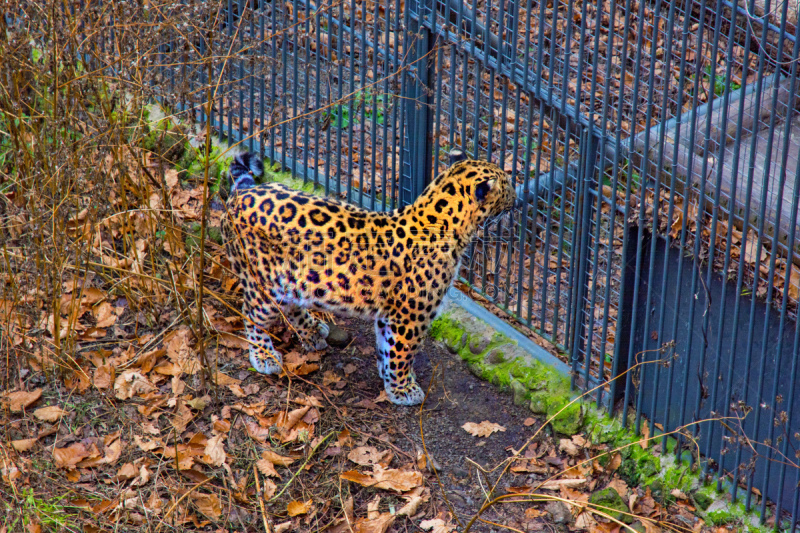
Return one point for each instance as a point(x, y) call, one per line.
point(395, 350)
point(311, 331)
point(263, 355)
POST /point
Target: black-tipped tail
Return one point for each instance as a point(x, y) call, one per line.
point(245, 169)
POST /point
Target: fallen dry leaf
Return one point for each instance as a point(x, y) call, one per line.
point(645, 442)
point(214, 453)
point(585, 520)
point(51, 413)
point(368, 455)
point(614, 463)
point(392, 479)
point(296, 508)
point(382, 397)
point(267, 468)
point(208, 504)
point(103, 376)
point(556, 484)
point(379, 524)
point(70, 456)
point(19, 400)
point(568, 447)
point(484, 429)
point(620, 486)
point(127, 471)
point(131, 383)
point(415, 498)
point(274, 458)
point(23, 445)
point(679, 494)
point(529, 422)
point(437, 525)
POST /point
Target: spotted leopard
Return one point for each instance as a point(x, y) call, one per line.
point(294, 252)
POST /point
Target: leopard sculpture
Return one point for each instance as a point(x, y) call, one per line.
point(294, 252)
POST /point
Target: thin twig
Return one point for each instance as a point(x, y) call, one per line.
point(261, 500)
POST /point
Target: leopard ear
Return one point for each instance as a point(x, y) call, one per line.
point(483, 188)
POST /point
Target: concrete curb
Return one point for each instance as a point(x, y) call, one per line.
point(456, 297)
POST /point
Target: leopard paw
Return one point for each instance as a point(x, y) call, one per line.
point(266, 363)
point(411, 394)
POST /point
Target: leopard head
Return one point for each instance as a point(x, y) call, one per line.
point(475, 191)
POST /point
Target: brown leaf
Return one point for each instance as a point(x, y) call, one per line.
point(268, 489)
point(180, 351)
point(392, 479)
point(645, 442)
point(267, 468)
point(293, 417)
point(794, 284)
point(343, 439)
point(379, 524)
point(437, 525)
point(19, 400)
point(484, 429)
point(556, 484)
point(750, 252)
point(274, 458)
point(620, 486)
point(103, 376)
point(529, 422)
point(614, 463)
point(126, 472)
point(208, 504)
point(23, 445)
point(51, 413)
point(70, 456)
point(652, 527)
point(132, 383)
point(147, 445)
point(255, 431)
point(568, 447)
point(367, 455)
point(296, 508)
point(104, 315)
point(214, 452)
point(415, 498)
point(182, 417)
point(382, 397)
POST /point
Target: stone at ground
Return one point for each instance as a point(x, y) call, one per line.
point(337, 336)
point(559, 512)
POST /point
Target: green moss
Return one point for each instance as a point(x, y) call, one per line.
point(610, 502)
point(702, 500)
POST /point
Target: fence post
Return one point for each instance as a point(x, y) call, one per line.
point(418, 97)
point(587, 186)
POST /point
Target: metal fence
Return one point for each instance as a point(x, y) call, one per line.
point(655, 147)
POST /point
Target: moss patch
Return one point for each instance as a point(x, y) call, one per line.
point(494, 357)
point(610, 502)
